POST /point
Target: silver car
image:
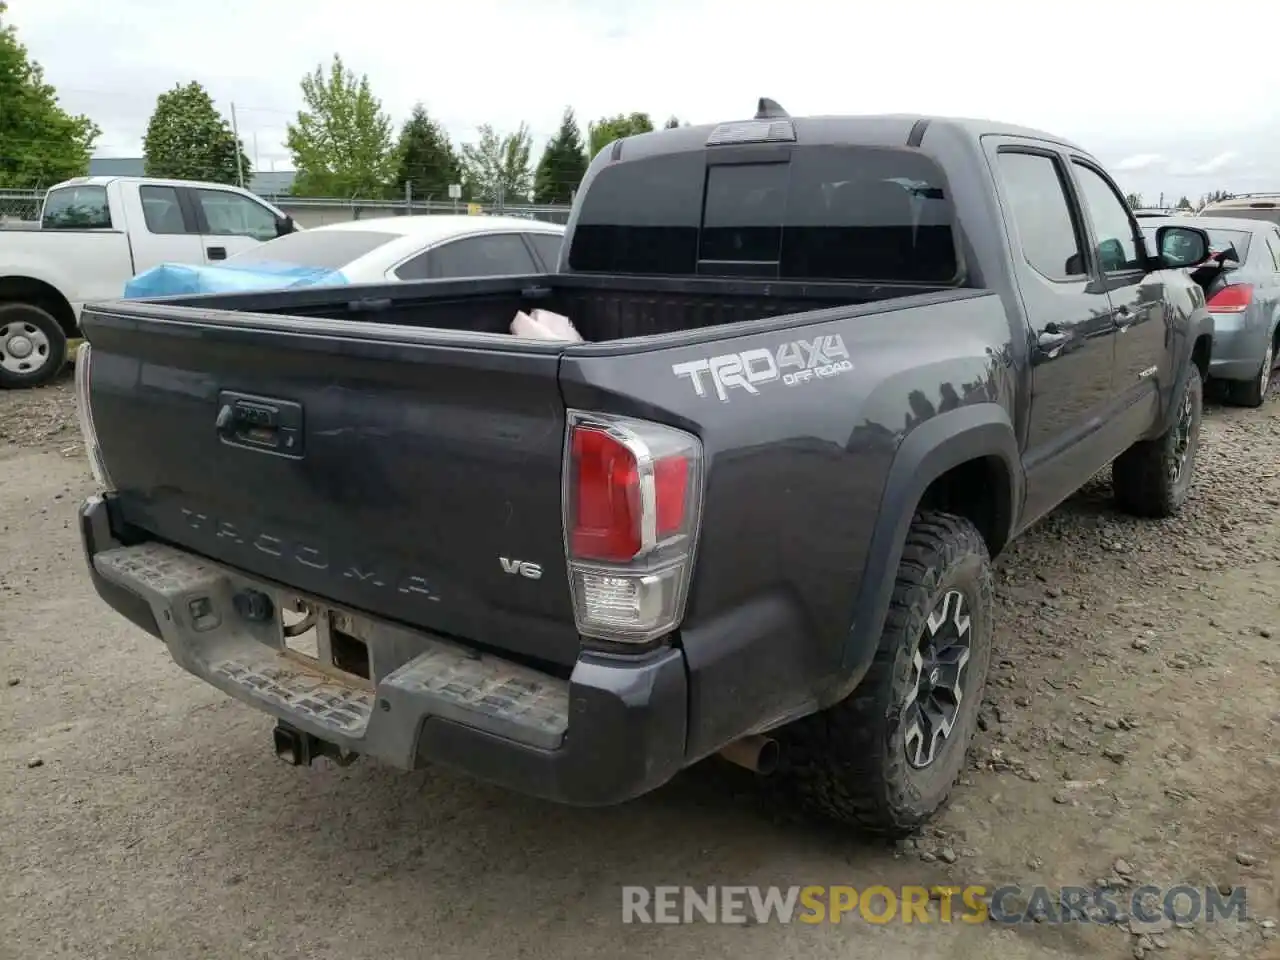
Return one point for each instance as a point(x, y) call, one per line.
point(1242, 286)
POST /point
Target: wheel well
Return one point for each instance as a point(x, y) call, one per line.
point(980, 491)
point(1200, 354)
point(41, 294)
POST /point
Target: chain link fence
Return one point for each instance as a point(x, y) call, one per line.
point(20, 207)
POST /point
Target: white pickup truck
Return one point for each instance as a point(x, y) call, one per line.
point(95, 233)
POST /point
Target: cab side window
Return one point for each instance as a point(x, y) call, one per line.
point(1118, 249)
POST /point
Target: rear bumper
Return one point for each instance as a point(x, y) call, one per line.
point(614, 730)
point(1239, 342)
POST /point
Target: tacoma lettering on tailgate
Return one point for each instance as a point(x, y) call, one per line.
point(794, 362)
point(290, 552)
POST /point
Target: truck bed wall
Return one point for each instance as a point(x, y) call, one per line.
point(601, 311)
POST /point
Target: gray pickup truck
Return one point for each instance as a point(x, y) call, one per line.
point(833, 366)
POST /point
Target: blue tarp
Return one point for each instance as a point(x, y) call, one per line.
point(172, 279)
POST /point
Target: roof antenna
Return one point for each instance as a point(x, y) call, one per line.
point(770, 110)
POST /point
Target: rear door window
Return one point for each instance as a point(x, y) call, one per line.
point(493, 255)
point(319, 249)
point(830, 213)
point(76, 208)
point(1037, 197)
point(161, 210)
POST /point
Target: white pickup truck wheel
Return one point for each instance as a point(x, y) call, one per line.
point(33, 347)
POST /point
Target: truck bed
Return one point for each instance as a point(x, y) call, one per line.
point(420, 450)
point(601, 307)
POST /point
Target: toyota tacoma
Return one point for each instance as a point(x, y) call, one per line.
point(832, 367)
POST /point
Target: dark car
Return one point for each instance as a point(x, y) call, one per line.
point(834, 365)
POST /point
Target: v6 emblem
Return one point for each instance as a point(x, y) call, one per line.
point(524, 568)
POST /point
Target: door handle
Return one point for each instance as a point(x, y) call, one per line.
point(216, 253)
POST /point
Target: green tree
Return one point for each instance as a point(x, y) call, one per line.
point(1184, 204)
point(562, 165)
point(672, 123)
point(188, 139)
point(1134, 200)
point(342, 141)
point(608, 129)
point(498, 165)
point(40, 143)
point(425, 158)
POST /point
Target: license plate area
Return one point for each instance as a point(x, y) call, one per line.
point(331, 640)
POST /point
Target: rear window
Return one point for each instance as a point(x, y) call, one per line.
point(319, 249)
point(76, 208)
point(1218, 240)
point(831, 213)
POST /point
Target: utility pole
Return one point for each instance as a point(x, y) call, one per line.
point(235, 132)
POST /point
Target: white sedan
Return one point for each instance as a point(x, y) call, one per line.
point(427, 247)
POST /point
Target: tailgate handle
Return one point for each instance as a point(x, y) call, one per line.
point(260, 423)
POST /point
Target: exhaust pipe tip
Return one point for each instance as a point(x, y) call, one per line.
point(756, 753)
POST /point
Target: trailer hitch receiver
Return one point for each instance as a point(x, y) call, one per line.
point(300, 749)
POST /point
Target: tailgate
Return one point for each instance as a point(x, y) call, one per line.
point(411, 473)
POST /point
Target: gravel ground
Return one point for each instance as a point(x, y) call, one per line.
point(1130, 736)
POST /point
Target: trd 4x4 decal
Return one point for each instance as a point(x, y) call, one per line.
point(794, 362)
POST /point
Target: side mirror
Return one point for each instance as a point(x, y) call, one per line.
point(285, 225)
point(1180, 247)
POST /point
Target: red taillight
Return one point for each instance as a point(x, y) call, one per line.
point(608, 500)
point(632, 503)
point(671, 484)
point(1234, 298)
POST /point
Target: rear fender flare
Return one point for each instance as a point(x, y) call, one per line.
point(1200, 324)
point(928, 452)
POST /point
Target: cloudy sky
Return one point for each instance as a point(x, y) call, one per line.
point(1121, 77)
